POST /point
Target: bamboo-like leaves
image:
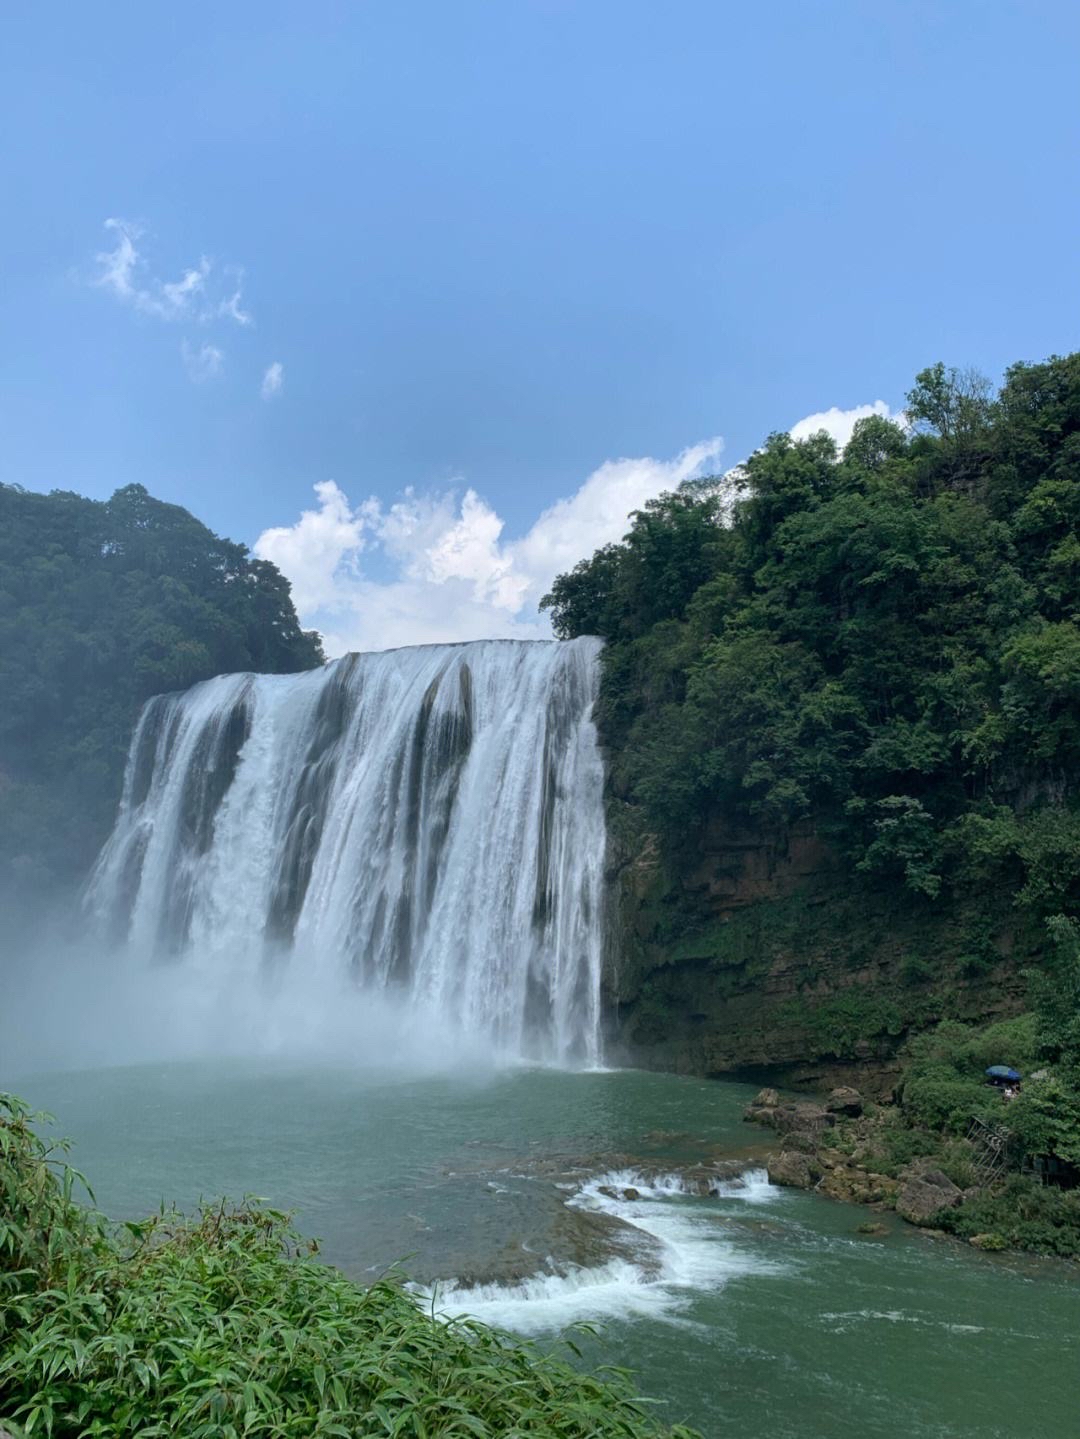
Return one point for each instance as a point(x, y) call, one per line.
point(224, 1326)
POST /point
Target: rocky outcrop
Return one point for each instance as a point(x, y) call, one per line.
point(845, 1101)
point(925, 1193)
point(766, 1101)
point(796, 1119)
point(793, 1169)
point(765, 955)
point(804, 1118)
point(805, 1160)
point(854, 1158)
point(854, 1183)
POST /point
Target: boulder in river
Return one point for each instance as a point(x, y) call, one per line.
point(762, 1107)
point(793, 1170)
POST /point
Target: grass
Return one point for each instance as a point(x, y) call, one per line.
point(227, 1325)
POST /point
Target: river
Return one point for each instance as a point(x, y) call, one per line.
point(752, 1311)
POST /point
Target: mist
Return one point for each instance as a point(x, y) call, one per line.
point(78, 1004)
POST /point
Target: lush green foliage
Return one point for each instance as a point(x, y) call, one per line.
point(885, 641)
point(226, 1325)
point(944, 1086)
point(944, 1081)
point(1020, 1215)
point(944, 1078)
point(103, 604)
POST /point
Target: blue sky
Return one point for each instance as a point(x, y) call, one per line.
point(496, 248)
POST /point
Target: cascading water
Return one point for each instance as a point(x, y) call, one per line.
point(426, 821)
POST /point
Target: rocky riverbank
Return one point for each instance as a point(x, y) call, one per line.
point(850, 1148)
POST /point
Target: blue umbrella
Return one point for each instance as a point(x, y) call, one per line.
point(1002, 1071)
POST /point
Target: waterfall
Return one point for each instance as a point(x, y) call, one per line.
point(427, 822)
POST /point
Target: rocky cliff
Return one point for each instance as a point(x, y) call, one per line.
point(767, 956)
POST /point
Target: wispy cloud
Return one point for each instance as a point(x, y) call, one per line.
point(273, 380)
point(198, 296)
point(443, 569)
point(203, 362)
point(231, 307)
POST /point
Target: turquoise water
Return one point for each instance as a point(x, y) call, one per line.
point(753, 1312)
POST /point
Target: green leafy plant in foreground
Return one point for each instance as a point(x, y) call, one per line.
point(226, 1325)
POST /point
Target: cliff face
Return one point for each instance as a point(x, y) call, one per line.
point(769, 957)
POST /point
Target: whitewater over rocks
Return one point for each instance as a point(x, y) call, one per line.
point(425, 822)
point(668, 1241)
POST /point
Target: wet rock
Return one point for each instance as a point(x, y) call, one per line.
point(881, 1186)
point(804, 1118)
point(926, 1192)
point(631, 1193)
point(801, 1140)
point(793, 1170)
point(846, 1101)
point(856, 1186)
point(704, 1179)
point(723, 1170)
point(839, 1184)
point(872, 1231)
point(761, 1108)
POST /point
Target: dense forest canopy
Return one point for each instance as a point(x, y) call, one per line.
point(883, 641)
point(103, 604)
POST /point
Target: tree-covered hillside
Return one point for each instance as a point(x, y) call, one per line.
point(103, 604)
point(883, 642)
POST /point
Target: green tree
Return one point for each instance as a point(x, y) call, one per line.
point(103, 604)
point(875, 641)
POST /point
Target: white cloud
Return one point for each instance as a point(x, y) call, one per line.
point(840, 424)
point(116, 268)
point(318, 553)
point(231, 308)
point(195, 297)
point(206, 362)
point(596, 514)
point(179, 296)
point(447, 571)
point(273, 380)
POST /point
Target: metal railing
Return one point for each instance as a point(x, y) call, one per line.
point(990, 1145)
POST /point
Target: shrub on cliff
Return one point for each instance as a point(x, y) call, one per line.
point(226, 1325)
